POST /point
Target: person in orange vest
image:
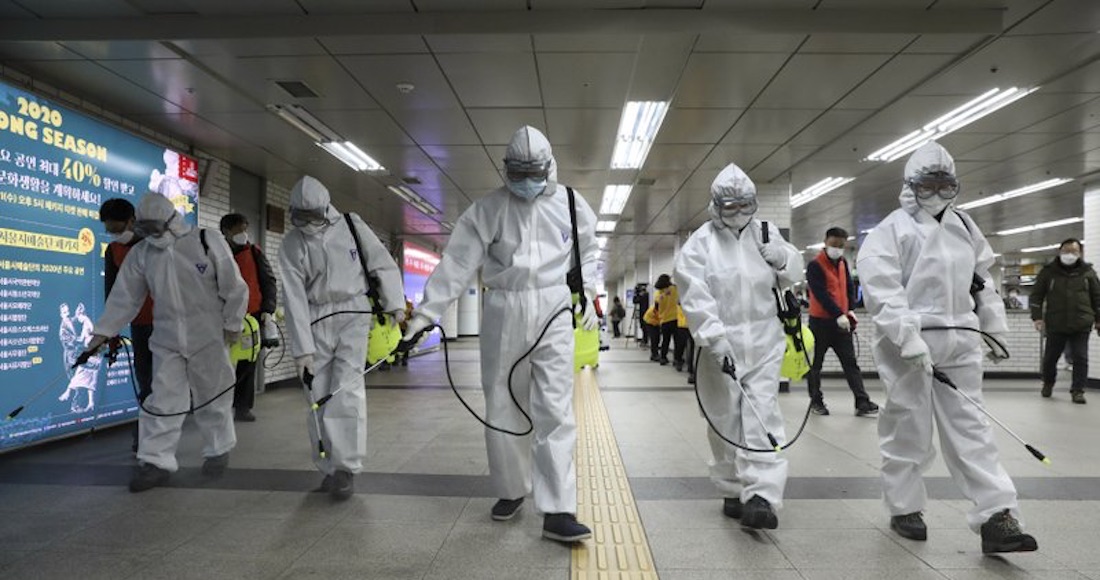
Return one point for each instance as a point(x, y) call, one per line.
point(117, 216)
point(262, 295)
point(653, 328)
point(832, 298)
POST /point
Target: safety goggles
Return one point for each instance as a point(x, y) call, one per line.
point(516, 170)
point(732, 208)
point(152, 228)
point(945, 185)
point(308, 217)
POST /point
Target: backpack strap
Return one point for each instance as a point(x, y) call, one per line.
point(575, 278)
point(372, 286)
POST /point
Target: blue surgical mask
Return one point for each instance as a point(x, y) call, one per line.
point(528, 188)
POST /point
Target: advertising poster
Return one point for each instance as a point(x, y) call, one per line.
point(417, 265)
point(56, 167)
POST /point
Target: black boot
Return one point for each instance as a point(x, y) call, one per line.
point(506, 509)
point(147, 477)
point(1002, 533)
point(732, 508)
point(819, 408)
point(866, 409)
point(343, 485)
point(758, 514)
point(564, 528)
point(910, 526)
point(215, 466)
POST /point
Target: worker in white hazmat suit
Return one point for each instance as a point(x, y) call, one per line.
point(927, 264)
point(199, 303)
point(520, 237)
point(726, 273)
point(322, 273)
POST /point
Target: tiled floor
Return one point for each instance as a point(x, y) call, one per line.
point(422, 510)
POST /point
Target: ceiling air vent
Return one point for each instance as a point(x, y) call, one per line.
point(297, 89)
point(411, 180)
point(646, 181)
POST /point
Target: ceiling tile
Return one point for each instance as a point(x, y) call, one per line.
point(496, 126)
point(493, 79)
point(585, 79)
point(856, 43)
point(245, 47)
point(751, 43)
point(696, 125)
point(707, 80)
point(36, 50)
point(466, 157)
point(258, 77)
point(182, 83)
point(769, 126)
point(448, 43)
point(663, 157)
point(374, 44)
point(437, 126)
point(582, 126)
point(830, 75)
point(587, 43)
point(893, 80)
point(381, 74)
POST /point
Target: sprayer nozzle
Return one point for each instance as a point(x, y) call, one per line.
point(14, 413)
point(775, 444)
point(315, 406)
point(1046, 461)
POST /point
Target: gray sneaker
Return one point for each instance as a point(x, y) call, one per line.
point(343, 485)
point(215, 466)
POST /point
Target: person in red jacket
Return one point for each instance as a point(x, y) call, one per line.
point(832, 298)
point(262, 296)
point(117, 216)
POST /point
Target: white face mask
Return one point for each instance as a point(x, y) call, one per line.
point(934, 205)
point(1068, 259)
point(162, 241)
point(124, 237)
point(240, 239)
point(834, 253)
point(737, 222)
point(313, 229)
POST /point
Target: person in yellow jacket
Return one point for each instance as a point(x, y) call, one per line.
point(684, 342)
point(653, 328)
point(668, 308)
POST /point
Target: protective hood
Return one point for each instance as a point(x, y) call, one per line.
point(731, 185)
point(311, 194)
point(929, 158)
point(156, 207)
point(529, 144)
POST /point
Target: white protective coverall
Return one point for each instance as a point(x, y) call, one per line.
point(524, 249)
point(322, 274)
point(198, 295)
point(916, 272)
point(726, 294)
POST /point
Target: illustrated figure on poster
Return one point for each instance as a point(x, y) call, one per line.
point(80, 391)
point(171, 183)
point(70, 345)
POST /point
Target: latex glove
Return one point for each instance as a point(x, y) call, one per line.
point(588, 320)
point(917, 354)
point(91, 349)
point(231, 336)
point(843, 322)
point(398, 316)
point(722, 352)
point(995, 342)
point(304, 365)
point(418, 323)
point(1039, 325)
point(852, 318)
point(773, 255)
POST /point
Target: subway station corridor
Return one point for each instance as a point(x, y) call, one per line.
point(421, 508)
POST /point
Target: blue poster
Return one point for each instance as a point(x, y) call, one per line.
point(56, 167)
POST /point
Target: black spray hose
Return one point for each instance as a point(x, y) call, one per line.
point(995, 345)
point(407, 345)
point(728, 369)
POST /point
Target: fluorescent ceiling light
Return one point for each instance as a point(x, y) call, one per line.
point(614, 199)
point(1041, 248)
point(605, 226)
point(351, 155)
point(867, 231)
point(1016, 193)
point(638, 128)
point(412, 198)
point(988, 102)
point(1042, 226)
point(818, 189)
point(816, 246)
point(305, 122)
point(601, 241)
point(447, 225)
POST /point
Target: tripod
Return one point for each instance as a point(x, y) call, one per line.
point(631, 332)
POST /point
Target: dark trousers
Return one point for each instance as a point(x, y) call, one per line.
point(143, 364)
point(683, 343)
point(244, 390)
point(828, 335)
point(615, 327)
point(662, 340)
point(1078, 343)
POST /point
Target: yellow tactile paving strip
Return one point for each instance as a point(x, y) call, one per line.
point(618, 549)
